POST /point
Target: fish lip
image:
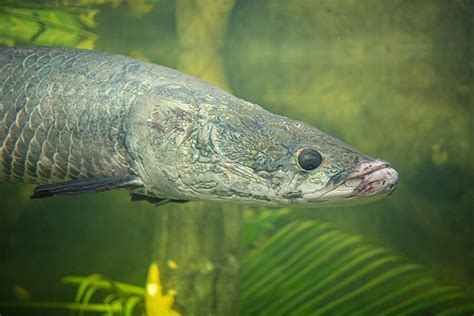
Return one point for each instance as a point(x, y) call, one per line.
point(377, 178)
point(365, 167)
point(370, 178)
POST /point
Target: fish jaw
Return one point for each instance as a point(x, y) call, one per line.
point(368, 181)
point(376, 178)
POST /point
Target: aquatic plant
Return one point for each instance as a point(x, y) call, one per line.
point(156, 302)
point(47, 24)
point(305, 267)
point(61, 23)
point(98, 294)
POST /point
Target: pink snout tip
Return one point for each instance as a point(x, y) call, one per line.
point(377, 177)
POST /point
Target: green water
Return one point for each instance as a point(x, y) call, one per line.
point(395, 79)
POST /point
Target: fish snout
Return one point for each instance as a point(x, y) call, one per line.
point(376, 177)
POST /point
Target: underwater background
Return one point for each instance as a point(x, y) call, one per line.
point(395, 79)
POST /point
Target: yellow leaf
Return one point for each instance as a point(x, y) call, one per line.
point(156, 303)
point(89, 18)
point(172, 264)
point(138, 54)
point(87, 43)
point(140, 7)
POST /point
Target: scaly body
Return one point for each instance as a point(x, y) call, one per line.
point(79, 121)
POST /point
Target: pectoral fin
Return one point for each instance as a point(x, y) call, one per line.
point(153, 200)
point(81, 186)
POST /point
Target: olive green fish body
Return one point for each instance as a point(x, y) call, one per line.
point(77, 121)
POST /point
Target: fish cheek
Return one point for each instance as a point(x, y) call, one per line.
point(198, 165)
point(158, 132)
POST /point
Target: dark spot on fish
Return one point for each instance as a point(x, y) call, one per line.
point(341, 175)
point(262, 197)
point(133, 68)
point(292, 195)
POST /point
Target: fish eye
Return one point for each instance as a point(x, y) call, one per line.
point(309, 159)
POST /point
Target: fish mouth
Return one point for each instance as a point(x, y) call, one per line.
point(375, 178)
point(368, 180)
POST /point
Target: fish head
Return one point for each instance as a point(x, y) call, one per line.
point(243, 153)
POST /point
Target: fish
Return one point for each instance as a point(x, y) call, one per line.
point(79, 121)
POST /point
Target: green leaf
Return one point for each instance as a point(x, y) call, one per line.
point(67, 306)
point(28, 23)
point(103, 283)
point(130, 304)
point(84, 285)
point(306, 268)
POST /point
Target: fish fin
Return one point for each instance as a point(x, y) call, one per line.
point(153, 200)
point(80, 186)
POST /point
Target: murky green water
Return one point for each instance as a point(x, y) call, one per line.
point(394, 79)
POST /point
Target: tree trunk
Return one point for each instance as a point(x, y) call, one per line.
point(197, 248)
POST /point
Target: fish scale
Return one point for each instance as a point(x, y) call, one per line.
point(54, 101)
